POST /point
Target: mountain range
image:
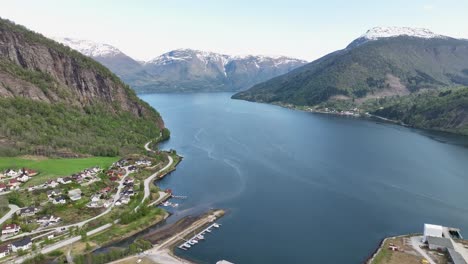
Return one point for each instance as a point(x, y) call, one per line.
point(186, 70)
point(384, 62)
point(56, 101)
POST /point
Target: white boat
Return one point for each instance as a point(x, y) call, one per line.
point(216, 225)
point(191, 242)
point(195, 241)
point(200, 237)
point(166, 204)
point(187, 245)
point(208, 230)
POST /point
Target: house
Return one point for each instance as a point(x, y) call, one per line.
point(53, 193)
point(59, 200)
point(143, 163)
point(23, 178)
point(11, 229)
point(52, 183)
point(132, 168)
point(105, 190)
point(113, 178)
point(3, 187)
point(74, 194)
point(29, 172)
point(11, 173)
point(432, 230)
point(96, 198)
point(66, 180)
point(13, 183)
point(127, 181)
point(48, 219)
point(28, 211)
point(23, 244)
point(4, 251)
point(439, 243)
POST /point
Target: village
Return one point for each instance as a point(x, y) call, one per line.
point(59, 209)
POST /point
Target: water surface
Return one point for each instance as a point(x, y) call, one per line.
point(303, 187)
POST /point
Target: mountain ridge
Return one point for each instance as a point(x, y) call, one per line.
point(189, 70)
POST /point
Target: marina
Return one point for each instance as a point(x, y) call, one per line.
point(198, 237)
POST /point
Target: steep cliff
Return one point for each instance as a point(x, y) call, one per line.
point(40, 71)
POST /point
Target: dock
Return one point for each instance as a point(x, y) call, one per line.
point(198, 237)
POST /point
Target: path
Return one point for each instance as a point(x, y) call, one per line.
point(13, 209)
point(150, 180)
point(416, 242)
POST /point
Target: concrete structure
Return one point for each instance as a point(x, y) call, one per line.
point(456, 257)
point(439, 243)
point(432, 230)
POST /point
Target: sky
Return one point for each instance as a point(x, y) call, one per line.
point(306, 29)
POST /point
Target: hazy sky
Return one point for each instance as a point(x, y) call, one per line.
point(299, 28)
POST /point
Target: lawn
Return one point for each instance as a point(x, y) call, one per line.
point(53, 168)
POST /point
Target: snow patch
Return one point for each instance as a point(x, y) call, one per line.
point(388, 32)
point(90, 48)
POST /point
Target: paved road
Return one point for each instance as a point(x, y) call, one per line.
point(63, 243)
point(13, 209)
point(150, 180)
point(416, 242)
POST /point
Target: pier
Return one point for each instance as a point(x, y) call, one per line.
point(198, 237)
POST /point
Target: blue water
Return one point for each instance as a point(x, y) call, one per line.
point(307, 188)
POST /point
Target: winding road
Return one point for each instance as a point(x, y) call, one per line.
point(13, 209)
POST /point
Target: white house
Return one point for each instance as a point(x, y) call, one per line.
point(23, 244)
point(74, 194)
point(28, 211)
point(11, 229)
point(52, 183)
point(65, 180)
point(432, 231)
point(48, 219)
point(59, 200)
point(52, 193)
point(11, 173)
point(23, 178)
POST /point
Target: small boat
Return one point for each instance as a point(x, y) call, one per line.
point(166, 204)
point(195, 241)
point(187, 245)
point(191, 242)
point(216, 225)
point(182, 247)
point(208, 230)
point(200, 237)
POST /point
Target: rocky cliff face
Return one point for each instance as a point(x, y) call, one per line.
point(38, 68)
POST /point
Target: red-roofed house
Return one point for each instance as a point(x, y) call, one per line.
point(3, 187)
point(10, 229)
point(13, 183)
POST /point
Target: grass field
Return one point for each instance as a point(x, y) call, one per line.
point(53, 168)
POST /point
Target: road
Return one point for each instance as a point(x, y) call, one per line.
point(63, 243)
point(416, 242)
point(150, 180)
point(13, 209)
point(82, 223)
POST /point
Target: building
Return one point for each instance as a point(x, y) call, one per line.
point(48, 219)
point(23, 178)
point(439, 243)
point(53, 193)
point(433, 231)
point(66, 180)
point(23, 244)
point(3, 187)
point(74, 194)
point(59, 200)
point(455, 257)
point(11, 173)
point(52, 183)
point(28, 211)
point(11, 229)
point(4, 251)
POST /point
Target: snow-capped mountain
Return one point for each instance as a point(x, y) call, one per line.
point(195, 70)
point(186, 69)
point(377, 33)
point(90, 48)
